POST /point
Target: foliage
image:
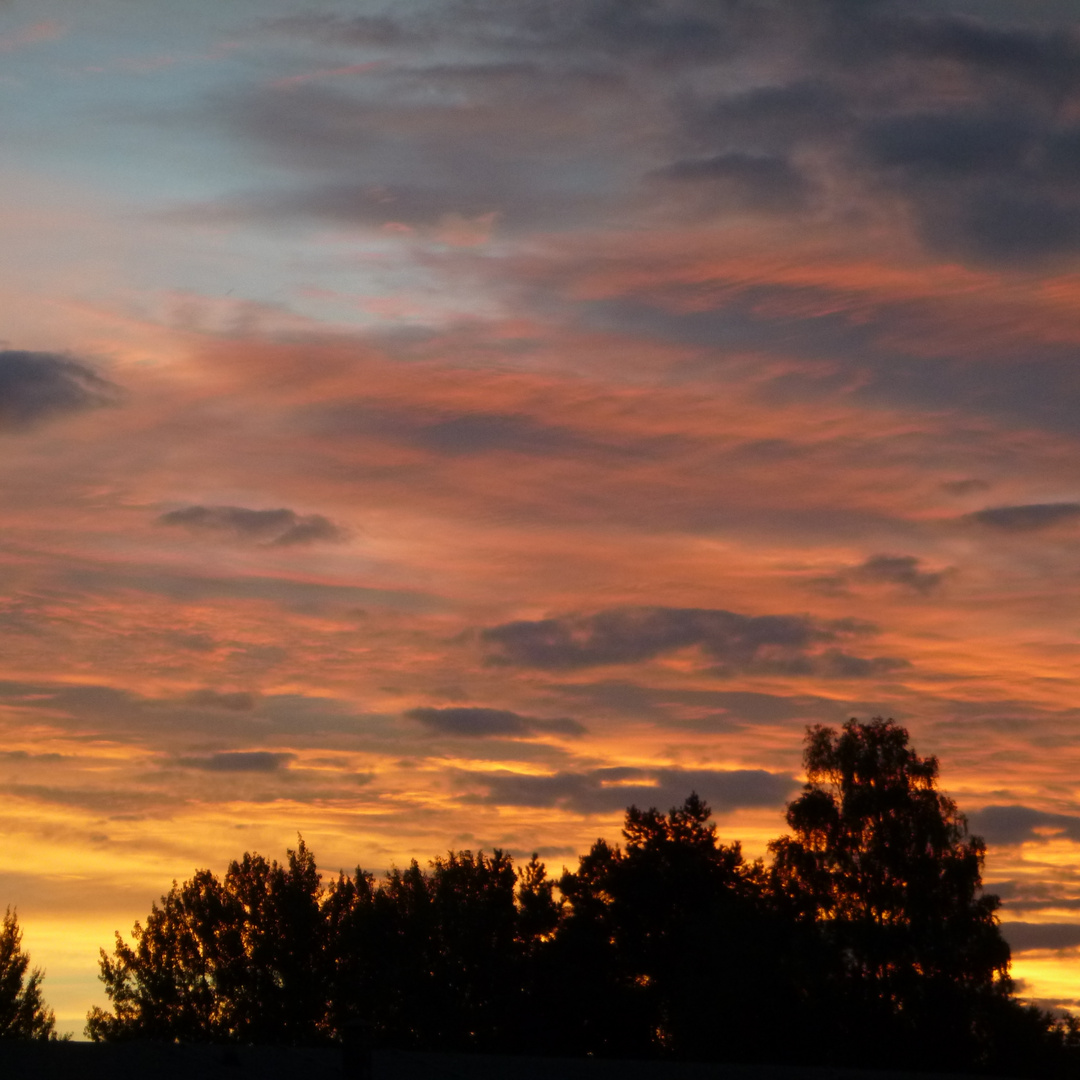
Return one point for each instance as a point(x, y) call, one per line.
point(867, 942)
point(23, 1013)
point(884, 863)
point(237, 960)
point(667, 939)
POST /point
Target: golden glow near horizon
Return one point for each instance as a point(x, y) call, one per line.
point(424, 430)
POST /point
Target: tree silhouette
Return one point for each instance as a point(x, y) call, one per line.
point(239, 960)
point(670, 943)
point(23, 1013)
point(884, 863)
point(439, 960)
point(867, 942)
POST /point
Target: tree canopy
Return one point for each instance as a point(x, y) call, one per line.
point(23, 1013)
point(884, 863)
point(867, 941)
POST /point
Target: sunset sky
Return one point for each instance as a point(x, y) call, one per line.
point(441, 424)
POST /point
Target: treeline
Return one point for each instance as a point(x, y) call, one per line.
point(866, 941)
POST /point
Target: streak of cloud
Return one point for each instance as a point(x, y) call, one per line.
point(611, 789)
point(1032, 517)
point(278, 528)
point(734, 642)
point(478, 723)
point(240, 761)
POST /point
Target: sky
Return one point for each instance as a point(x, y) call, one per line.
point(440, 425)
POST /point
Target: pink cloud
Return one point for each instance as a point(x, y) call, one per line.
point(34, 34)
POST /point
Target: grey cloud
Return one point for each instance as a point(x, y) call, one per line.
point(35, 386)
point(658, 33)
point(487, 90)
point(779, 643)
point(467, 434)
point(966, 486)
point(232, 701)
point(862, 360)
point(1010, 825)
point(1001, 222)
point(626, 635)
point(710, 710)
point(608, 790)
point(279, 528)
point(24, 756)
point(246, 761)
point(756, 181)
point(481, 723)
point(1028, 518)
point(360, 30)
point(948, 143)
point(771, 119)
point(84, 709)
point(905, 571)
point(487, 433)
point(1045, 59)
point(1026, 936)
point(105, 801)
point(292, 595)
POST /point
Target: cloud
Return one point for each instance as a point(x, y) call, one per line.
point(1026, 936)
point(294, 595)
point(850, 108)
point(35, 386)
point(714, 710)
point(453, 435)
point(245, 761)
point(483, 723)
point(338, 30)
point(277, 528)
point(231, 701)
point(901, 571)
point(1029, 518)
point(755, 181)
point(1043, 59)
point(966, 486)
point(35, 34)
point(781, 644)
point(1009, 825)
point(947, 144)
point(81, 709)
point(607, 790)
